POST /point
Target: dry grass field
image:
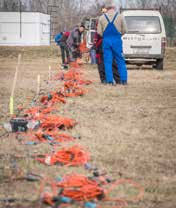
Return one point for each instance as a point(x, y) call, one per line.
point(129, 131)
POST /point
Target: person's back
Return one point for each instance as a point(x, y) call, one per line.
point(118, 22)
point(74, 41)
point(58, 38)
point(63, 39)
point(111, 27)
point(74, 38)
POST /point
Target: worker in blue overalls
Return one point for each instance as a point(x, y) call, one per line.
point(111, 26)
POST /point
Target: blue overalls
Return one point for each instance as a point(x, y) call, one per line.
point(112, 49)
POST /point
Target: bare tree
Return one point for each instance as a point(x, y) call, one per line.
point(11, 5)
point(143, 4)
point(167, 9)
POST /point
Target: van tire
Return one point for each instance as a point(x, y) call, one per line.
point(159, 64)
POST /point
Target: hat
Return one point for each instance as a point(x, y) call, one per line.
point(109, 4)
point(103, 6)
point(67, 33)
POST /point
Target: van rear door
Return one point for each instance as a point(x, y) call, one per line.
point(91, 32)
point(143, 37)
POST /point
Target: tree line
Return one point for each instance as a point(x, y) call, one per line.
point(67, 13)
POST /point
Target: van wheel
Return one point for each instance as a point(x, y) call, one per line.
point(159, 64)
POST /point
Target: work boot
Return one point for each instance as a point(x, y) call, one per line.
point(64, 66)
point(123, 83)
point(113, 83)
point(104, 82)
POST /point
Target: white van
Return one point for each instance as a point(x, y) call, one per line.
point(145, 40)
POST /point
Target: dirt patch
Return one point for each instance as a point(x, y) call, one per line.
point(29, 52)
point(129, 131)
point(170, 61)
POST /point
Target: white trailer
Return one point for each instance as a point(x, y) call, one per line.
point(24, 29)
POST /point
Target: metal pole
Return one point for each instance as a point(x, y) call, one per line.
point(20, 20)
point(124, 3)
point(50, 28)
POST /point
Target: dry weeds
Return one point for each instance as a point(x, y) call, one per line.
point(130, 131)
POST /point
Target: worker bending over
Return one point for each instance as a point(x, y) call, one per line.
point(64, 48)
point(73, 42)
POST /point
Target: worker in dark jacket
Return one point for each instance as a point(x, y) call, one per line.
point(100, 61)
point(64, 48)
point(73, 42)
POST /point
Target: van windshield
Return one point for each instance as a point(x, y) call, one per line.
point(143, 24)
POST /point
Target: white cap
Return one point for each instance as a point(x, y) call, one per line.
point(109, 3)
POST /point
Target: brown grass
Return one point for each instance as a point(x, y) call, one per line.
point(129, 131)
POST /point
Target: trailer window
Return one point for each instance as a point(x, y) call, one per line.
point(149, 24)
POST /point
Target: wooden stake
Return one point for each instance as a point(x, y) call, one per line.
point(49, 73)
point(38, 84)
point(11, 105)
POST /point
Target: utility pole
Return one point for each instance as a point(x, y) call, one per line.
point(124, 3)
point(20, 10)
